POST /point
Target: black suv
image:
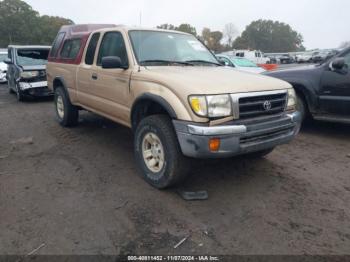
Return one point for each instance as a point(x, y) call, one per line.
point(323, 90)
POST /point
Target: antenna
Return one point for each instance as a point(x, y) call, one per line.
point(139, 36)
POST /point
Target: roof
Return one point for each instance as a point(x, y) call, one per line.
point(87, 29)
point(29, 46)
point(83, 29)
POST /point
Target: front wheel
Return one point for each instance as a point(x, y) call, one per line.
point(158, 154)
point(66, 113)
point(301, 107)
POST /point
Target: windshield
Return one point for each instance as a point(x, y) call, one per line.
point(243, 62)
point(32, 57)
point(156, 46)
point(3, 57)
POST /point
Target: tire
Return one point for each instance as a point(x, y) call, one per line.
point(19, 94)
point(260, 154)
point(175, 166)
point(301, 107)
point(67, 114)
point(10, 90)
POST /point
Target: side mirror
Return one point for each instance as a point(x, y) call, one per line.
point(337, 64)
point(113, 62)
point(8, 61)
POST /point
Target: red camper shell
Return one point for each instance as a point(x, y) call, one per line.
point(70, 42)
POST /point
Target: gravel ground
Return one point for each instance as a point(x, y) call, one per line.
point(77, 191)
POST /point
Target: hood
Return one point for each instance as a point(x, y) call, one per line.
point(255, 70)
point(189, 80)
point(3, 66)
point(292, 70)
point(33, 67)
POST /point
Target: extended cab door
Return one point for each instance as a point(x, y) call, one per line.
point(110, 87)
point(335, 89)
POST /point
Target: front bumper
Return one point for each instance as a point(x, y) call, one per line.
point(237, 137)
point(35, 88)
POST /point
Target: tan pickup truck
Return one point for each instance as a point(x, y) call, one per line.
point(180, 102)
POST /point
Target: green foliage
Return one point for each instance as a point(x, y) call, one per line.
point(166, 27)
point(270, 36)
point(186, 28)
point(20, 24)
point(212, 39)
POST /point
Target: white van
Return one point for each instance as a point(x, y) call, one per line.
point(255, 56)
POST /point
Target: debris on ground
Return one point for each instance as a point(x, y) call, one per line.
point(23, 141)
point(180, 243)
point(36, 250)
point(123, 205)
point(194, 196)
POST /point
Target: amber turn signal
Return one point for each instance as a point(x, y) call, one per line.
point(214, 144)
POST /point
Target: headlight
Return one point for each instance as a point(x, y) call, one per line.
point(29, 74)
point(292, 99)
point(211, 106)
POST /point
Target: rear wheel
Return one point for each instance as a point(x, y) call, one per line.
point(66, 113)
point(10, 90)
point(19, 94)
point(158, 154)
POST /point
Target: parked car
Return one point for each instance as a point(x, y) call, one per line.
point(172, 92)
point(322, 56)
point(240, 64)
point(286, 59)
point(3, 66)
point(304, 58)
point(26, 72)
point(256, 57)
point(323, 91)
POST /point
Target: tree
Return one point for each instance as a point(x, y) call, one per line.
point(187, 28)
point(270, 36)
point(212, 39)
point(230, 33)
point(166, 27)
point(20, 24)
point(344, 44)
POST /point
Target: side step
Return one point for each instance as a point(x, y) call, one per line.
point(333, 118)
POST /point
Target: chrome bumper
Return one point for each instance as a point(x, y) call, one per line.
point(238, 137)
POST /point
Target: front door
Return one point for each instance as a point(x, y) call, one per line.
point(335, 89)
point(110, 87)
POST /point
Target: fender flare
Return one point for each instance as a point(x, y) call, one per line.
point(61, 79)
point(308, 91)
point(154, 98)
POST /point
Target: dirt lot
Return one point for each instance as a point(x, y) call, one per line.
point(77, 191)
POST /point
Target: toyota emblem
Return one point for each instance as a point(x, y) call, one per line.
point(267, 105)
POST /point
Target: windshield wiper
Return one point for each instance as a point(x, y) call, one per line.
point(204, 62)
point(169, 62)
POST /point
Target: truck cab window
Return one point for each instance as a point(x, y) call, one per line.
point(113, 45)
point(56, 45)
point(71, 48)
point(90, 53)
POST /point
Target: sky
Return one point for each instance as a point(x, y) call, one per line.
point(323, 23)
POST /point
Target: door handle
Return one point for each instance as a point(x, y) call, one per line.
point(94, 76)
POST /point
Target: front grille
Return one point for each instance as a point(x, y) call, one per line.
point(263, 137)
point(262, 105)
